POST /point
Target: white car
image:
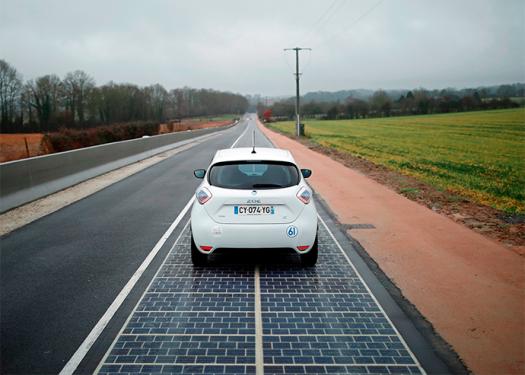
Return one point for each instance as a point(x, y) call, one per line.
point(253, 198)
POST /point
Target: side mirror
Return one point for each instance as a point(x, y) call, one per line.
point(306, 172)
point(199, 173)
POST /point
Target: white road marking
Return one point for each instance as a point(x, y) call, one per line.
point(81, 352)
point(97, 330)
point(242, 135)
point(259, 356)
point(140, 299)
point(372, 295)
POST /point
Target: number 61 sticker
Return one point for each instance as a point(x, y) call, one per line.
point(292, 231)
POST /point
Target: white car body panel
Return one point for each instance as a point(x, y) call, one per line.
point(214, 223)
point(286, 210)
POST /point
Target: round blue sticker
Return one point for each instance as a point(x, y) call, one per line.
point(292, 231)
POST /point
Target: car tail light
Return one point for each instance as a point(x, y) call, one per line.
point(302, 248)
point(304, 195)
point(203, 195)
point(206, 248)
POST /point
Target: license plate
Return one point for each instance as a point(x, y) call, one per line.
point(255, 210)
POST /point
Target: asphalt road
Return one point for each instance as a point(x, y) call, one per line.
point(60, 274)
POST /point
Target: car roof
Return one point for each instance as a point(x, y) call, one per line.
point(245, 154)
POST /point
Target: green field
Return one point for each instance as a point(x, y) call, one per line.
point(479, 155)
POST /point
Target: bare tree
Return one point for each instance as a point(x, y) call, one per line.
point(10, 90)
point(47, 103)
point(77, 87)
point(45, 95)
point(159, 98)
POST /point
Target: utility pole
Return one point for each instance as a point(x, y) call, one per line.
point(297, 95)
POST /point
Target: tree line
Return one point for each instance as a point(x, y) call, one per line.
point(413, 102)
point(48, 103)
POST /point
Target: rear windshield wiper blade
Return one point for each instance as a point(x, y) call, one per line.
point(262, 186)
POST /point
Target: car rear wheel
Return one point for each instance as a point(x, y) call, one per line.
point(197, 258)
point(310, 258)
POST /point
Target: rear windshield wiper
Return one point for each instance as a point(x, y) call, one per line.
point(262, 186)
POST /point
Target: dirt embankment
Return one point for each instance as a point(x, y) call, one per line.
point(21, 146)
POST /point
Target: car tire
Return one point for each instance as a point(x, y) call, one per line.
point(310, 258)
point(197, 258)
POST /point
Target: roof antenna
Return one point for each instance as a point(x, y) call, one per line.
point(253, 143)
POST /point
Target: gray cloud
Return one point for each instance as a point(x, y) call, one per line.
point(237, 45)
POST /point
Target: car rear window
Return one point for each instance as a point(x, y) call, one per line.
point(254, 175)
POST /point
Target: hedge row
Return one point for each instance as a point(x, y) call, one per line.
point(70, 139)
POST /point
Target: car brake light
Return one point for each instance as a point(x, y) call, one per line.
point(203, 195)
point(206, 248)
point(304, 195)
point(302, 248)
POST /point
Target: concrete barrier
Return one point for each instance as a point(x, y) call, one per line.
point(22, 181)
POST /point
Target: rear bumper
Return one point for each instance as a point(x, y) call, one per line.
point(207, 232)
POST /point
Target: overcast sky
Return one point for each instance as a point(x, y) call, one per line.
point(237, 45)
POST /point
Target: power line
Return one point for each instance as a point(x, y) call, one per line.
point(325, 13)
point(320, 20)
point(351, 25)
point(287, 62)
point(297, 94)
point(308, 62)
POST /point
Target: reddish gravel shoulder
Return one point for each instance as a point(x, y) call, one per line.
point(469, 287)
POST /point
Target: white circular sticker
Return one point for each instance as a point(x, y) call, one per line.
point(292, 231)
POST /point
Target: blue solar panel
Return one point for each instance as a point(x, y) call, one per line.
point(202, 320)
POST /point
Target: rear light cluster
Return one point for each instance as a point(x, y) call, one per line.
point(203, 195)
point(304, 195)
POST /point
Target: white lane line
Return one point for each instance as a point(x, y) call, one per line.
point(372, 295)
point(259, 351)
point(140, 299)
point(81, 352)
point(259, 355)
point(258, 125)
point(242, 135)
point(88, 342)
